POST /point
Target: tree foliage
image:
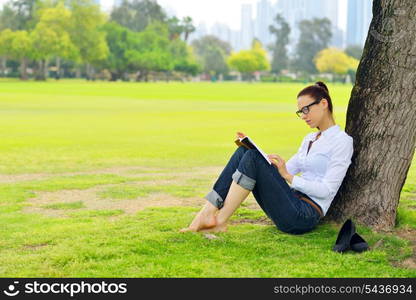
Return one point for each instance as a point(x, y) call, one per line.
point(314, 36)
point(249, 61)
point(335, 61)
point(281, 31)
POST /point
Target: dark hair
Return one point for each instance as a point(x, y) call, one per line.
point(317, 91)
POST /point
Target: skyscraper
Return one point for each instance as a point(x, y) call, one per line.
point(264, 18)
point(221, 31)
point(200, 31)
point(358, 21)
point(247, 28)
point(294, 11)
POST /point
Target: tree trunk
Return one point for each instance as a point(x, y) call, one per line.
point(58, 68)
point(3, 62)
point(88, 71)
point(23, 69)
point(41, 70)
point(381, 118)
point(78, 72)
point(46, 69)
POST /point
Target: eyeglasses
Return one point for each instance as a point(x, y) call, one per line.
point(305, 109)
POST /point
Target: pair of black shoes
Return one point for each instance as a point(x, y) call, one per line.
point(348, 239)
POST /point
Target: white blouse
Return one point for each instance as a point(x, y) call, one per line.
point(324, 167)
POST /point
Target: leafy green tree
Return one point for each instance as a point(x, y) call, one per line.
point(150, 50)
point(175, 28)
point(281, 31)
point(315, 35)
point(117, 39)
point(86, 21)
point(136, 15)
point(50, 38)
point(355, 51)
point(184, 59)
point(249, 61)
point(8, 17)
point(6, 39)
point(21, 49)
point(212, 54)
point(188, 27)
point(335, 61)
point(25, 13)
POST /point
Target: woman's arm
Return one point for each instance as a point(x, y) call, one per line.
point(337, 168)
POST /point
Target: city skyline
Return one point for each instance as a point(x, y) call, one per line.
point(230, 13)
point(256, 17)
point(239, 21)
point(207, 11)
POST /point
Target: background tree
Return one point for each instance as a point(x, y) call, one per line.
point(314, 36)
point(175, 28)
point(86, 21)
point(137, 14)
point(249, 61)
point(21, 49)
point(212, 54)
point(183, 57)
point(50, 38)
point(117, 38)
point(281, 31)
point(381, 118)
point(9, 18)
point(150, 50)
point(6, 39)
point(25, 13)
point(355, 51)
point(335, 61)
point(188, 27)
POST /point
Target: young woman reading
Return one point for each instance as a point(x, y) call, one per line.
point(294, 203)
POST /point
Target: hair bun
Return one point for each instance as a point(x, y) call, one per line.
point(322, 85)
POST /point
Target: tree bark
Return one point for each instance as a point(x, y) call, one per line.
point(381, 118)
point(58, 68)
point(41, 70)
point(3, 61)
point(23, 69)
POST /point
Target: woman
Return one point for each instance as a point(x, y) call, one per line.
point(297, 208)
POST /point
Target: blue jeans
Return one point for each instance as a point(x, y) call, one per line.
point(249, 169)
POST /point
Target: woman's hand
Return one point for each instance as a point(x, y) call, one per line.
point(240, 135)
point(280, 164)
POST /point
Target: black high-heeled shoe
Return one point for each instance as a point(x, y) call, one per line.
point(358, 244)
point(343, 241)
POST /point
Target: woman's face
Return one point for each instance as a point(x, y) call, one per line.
point(316, 111)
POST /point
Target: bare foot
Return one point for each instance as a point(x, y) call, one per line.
point(217, 228)
point(201, 222)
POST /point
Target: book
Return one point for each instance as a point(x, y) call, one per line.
point(249, 144)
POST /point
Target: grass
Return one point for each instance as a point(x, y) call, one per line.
point(159, 138)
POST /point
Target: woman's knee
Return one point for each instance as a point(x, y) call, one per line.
point(240, 152)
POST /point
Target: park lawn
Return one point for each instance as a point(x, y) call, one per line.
point(97, 178)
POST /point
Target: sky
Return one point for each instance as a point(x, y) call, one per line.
point(212, 11)
point(224, 11)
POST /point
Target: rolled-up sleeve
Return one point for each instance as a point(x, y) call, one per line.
point(338, 165)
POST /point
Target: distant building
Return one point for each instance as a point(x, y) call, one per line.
point(247, 26)
point(200, 31)
point(221, 31)
point(264, 18)
point(358, 21)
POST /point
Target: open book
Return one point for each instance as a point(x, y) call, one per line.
point(249, 144)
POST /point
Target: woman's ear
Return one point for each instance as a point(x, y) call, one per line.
point(324, 103)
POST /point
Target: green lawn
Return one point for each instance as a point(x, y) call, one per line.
point(97, 178)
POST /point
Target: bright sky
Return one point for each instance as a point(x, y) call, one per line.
point(212, 11)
